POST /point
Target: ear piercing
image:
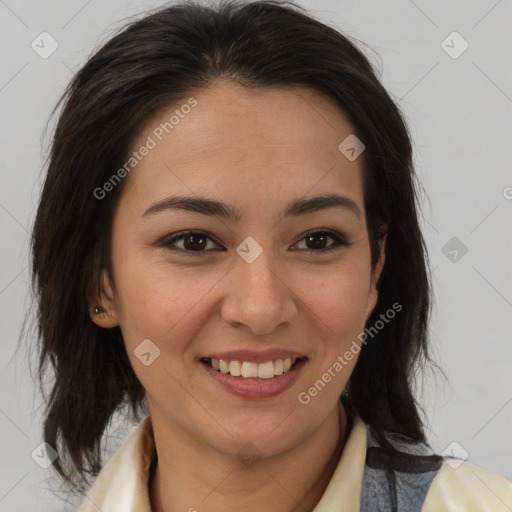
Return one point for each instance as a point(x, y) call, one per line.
point(98, 310)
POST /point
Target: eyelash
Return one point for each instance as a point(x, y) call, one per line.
point(339, 242)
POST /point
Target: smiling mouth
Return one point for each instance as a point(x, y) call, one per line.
point(250, 370)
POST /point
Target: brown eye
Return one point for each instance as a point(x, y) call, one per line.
point(192, 242)
point(317, 241)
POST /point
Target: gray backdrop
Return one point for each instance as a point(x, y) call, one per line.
point(458, 103)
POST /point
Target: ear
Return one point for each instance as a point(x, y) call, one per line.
point(374, 294)
point(108, 317)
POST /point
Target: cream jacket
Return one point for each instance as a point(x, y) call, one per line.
point(122, 485)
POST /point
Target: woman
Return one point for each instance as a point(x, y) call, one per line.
point(228, 241)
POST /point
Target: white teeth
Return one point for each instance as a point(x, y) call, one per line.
point(235, 368)
point(266, 370)
point(278, 367)
point(249, 370)
point(224, 366)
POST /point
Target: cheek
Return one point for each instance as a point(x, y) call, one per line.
point(339, 298)
point(157, 301)
point(163, 306)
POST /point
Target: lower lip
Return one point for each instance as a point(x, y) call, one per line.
point(256, 388)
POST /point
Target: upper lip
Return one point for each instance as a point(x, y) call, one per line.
point(253, 356)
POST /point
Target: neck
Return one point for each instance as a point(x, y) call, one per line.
point(189, 480)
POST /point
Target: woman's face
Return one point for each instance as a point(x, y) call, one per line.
point(257, 288)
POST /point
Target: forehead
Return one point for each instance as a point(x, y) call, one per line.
point(263, 144)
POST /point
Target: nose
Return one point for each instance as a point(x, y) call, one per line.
point(259, 298)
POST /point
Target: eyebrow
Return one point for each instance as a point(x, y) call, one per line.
point(212, 207)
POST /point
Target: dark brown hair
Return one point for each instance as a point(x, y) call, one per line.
point(154, 62)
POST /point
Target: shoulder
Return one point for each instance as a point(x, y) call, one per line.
point(468, 488)
point(121, 486)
